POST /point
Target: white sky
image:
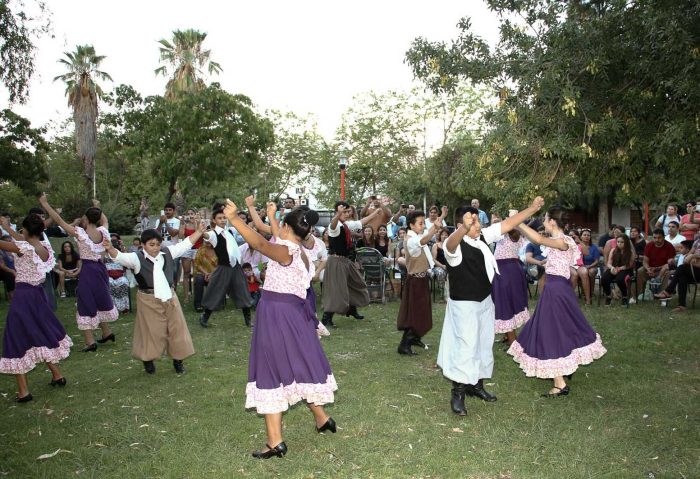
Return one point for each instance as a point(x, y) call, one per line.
point(302, 56)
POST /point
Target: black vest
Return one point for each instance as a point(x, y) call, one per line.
point(221, 251)
point(338, 244)
point(469, 280)
point(144, 278)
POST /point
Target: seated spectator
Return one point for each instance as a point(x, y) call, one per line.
point(673, 236)
point(590, 255)
point(658, 255)
point(535, 261)
point(67, 266)
point(382, 242)
point(400, 252)
point(135, 245)
point(618, 230)
point(253, 283)
point(439, 271)
point(368, 240)
point(620, 265)
point(604, 238)
point(639, 243)
point(665, 219)
point(687, 273)
point(688, 227)
point(205, 263)
point(118, 282)
point(7, 269)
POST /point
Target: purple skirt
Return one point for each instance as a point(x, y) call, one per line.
point(311, 305)
point(33, 334)
point(287, 363)
point(95, 303)
point(510, 295)
point(558, 338)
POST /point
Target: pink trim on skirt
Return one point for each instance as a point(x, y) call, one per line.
point(271, 401)
point(552, 368)
point(36, 355)
point(93, 322)
point(507, 325)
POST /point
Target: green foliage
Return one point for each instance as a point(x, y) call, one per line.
point(600, 96)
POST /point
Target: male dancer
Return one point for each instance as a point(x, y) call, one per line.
point(228, 277)
point(466, 345)
point(344, 288)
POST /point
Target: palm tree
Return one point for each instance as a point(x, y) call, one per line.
point(185, 57)
point(83, 93)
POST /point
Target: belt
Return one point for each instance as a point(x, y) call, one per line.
point(146, 291)
point(419, 275)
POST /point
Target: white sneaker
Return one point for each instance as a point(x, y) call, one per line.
point(632, 301)
point(63, 295)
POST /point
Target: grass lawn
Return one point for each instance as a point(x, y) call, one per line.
point(631, 414)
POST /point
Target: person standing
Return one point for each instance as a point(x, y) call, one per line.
point(510, 286)
point(466, 343)
point(557, 339)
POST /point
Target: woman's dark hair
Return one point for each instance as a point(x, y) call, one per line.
point(150, 234)
point(301, 220)
point(559, 215)
point(73, 253)
point(413, 217)
point(443, 230)
point(36, 211)
point(624, 257)
point(94, 215)
point(33, 225)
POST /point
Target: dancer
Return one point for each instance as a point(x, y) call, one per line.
point(557, 339)
point(228, 276)
point(287, 362)
point(33, 334)
point(95, 305)
point(466, 344)
point(160, 324)
point(510, 286)
point(415, 314)
point(344, 288)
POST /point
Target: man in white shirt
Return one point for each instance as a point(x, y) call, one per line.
point(344, 288)
point(168, 225)
point(671, 215)
point(228, 277)
point(673, 236)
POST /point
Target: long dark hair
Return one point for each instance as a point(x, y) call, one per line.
point(622, 257)
point(301, 219)
point(73, 253)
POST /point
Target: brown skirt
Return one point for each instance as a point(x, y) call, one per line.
point(159, 328)
point(415, 312)
point(343, 286)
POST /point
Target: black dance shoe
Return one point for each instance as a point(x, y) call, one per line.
point(106, 338)
point(279, 450)
point(179, 367)
point(90, 348)
point(58, 382)
point(478, 390)
point(26, 398)
point(353, 312)
point(149, 367)
point(457, 399)
point(562, 392)
point(327, 320)
point(328, 426)
point(417, 342)
point(203, 322)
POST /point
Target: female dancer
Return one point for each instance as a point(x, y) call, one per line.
point(510, 286)
point(558, 339)
point(287, 363)
point(33, 334)
point(620, 264)
point(95, 305)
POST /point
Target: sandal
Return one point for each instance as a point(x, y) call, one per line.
point(663, 295)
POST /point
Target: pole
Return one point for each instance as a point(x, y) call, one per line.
point(342, 183)
point(646, 220)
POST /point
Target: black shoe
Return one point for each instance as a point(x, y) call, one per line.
point(26, 398)
point(179, 367)
point(457, 399)
point(417, 342)
point(88, 349)
point(562, 392)
point(58, 382)
point(106, 338)
point(624, 302)
point(279, 450)
point(353, 312)
point(327, 320)
point(328, 426)
point(478, 390)
point(203, 322)
point(246, 316)
point(149, 367)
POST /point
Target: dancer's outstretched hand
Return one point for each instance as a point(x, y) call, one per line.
point(538, 203)
point(250, 201)
point(43, 199)
point(271, 209)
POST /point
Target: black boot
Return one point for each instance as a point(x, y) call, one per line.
point(149, 367)
point(246, 316)
point(179, 367)
point(457, 400)
point(417, 342)
point(405, 345)
point(327, 320)
point(478, 390)
point(353, 312)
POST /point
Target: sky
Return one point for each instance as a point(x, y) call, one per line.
point(302, 56)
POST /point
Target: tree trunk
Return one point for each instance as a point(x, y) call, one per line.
point(603, 219)
point(171, 189)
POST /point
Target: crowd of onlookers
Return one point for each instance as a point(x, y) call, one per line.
point(622, 258)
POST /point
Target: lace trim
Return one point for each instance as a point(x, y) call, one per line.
point(83, 237)
point(43, 267)
point(507, 325)
point(93, 322)
point(551, 368)
point(270, 401)
point(36, 355)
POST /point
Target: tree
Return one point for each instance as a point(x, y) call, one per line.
point(22, 152)
point(205, 136)
point(83, 93)
point(185, 57)
point(17, 49)
point(600, 96)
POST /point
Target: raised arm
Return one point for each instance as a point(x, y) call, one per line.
point(67, 227)
point(537, 238)
point(103, 219)
point(511, 222)
point(253, 212)
point(275, 252)
point(369, 217)
point(5, 223)
point(338, 213)
point(9, 246)
point(457, 235)
point(272, 215)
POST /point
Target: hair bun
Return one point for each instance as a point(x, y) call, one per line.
point(311, 217)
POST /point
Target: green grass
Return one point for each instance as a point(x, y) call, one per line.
point(633, 413)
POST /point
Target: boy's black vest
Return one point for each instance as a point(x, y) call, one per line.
point(469, 280)
point(338, 244)
point(144, 278)
point(221, 250)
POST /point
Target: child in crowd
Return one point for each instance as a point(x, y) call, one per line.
point(253, 283)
